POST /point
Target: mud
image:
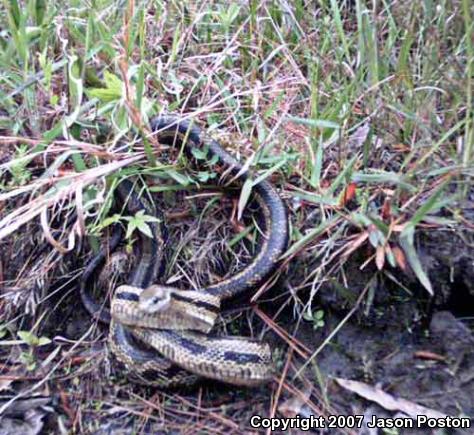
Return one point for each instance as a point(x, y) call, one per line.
point(411, 346)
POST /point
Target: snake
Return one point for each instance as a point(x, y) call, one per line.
point(161, 334)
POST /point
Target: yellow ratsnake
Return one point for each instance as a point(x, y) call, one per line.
point(161, 333)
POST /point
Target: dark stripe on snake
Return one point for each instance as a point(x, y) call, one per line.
point(190, 345)
point(127, 296)
point(242, 357)
point(202, 304)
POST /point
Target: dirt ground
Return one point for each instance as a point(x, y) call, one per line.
point(397, 339)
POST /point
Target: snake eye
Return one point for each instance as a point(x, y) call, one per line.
point(156, 299)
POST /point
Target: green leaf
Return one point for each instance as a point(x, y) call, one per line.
point(28, 337)
point(375, 238)
point(381, 226)
point(139, 222)
point(340, 27)
point(270, 171)
point(145, 229)
point(115, 219)
point(311, 235)
point(407, 244)
point(181, 179)
point(131, 227)
point(40, 9)
point(236, 239)
point(112, 91)
point(233, 12)
point(113, 82)
point(308, 315)
point(316, 123)
point(54, 132)
point(318, 315)
point(383, 177)
point(43, 341)
point(429, 205)
point(104, 94)
point(205, 176)
point(14, 11)
point(359, 219)
point(140, 86)
point(343, 175)
point(76, 87)
point(244, 196)
point(391, 258)
point(317, 199)
point(199, 154)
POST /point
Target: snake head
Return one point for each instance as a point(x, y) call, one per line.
point(154, 299)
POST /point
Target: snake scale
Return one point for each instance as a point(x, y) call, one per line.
point(161, 334)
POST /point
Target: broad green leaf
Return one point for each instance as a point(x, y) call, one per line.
point(199, 154)
point(113, 89)
point(390, 257)
point(429, 205)
point(105, 95)
point(181, 179)
point(407, 244)
point(205, 176)
point(308, 315)
point(359, 219)
point(244, 196)
point(316, 199)
point(319, 314)
point(144, 228)
point(113, 82)
point(28, 337)
point(375, 237)
point(139, 222)
point(232, 12)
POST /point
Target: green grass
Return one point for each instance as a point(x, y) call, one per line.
point(361, 112)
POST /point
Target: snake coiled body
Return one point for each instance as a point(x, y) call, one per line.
point(176, 356)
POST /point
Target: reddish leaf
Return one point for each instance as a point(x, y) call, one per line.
point(380, 257)
point(426, 354)
point(349, 194)
point(386, 210)
point(325, 184)
point(402, 148)
point(400, 258)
